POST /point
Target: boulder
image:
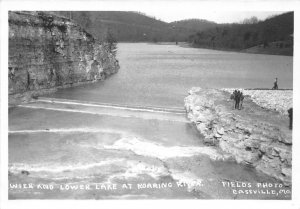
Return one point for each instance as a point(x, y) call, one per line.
point(194, 90)
point(217, 135)
point(220, 131)
point(24, 172)
point(287, 172)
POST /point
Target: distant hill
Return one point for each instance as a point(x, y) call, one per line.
point(128, 26)
point(272, 36)
point(194, 24)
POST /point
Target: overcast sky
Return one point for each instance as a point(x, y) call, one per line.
point(219, 11)
point(216, 16)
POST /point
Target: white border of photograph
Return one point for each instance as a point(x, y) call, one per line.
point(161, 7)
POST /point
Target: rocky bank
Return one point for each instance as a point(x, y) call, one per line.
point(47, 52)
point(254, 136)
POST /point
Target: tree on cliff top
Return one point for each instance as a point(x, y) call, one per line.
point(112, 42)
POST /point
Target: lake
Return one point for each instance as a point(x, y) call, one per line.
point(161, 75)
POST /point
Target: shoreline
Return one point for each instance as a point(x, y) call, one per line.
point(245, 51)
point(189, 45)
point(27, 96)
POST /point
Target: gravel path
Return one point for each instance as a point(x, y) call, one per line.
point(279, 100)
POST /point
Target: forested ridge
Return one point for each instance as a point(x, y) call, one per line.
point(135, 26)
point(271, 36)
point(275, 34)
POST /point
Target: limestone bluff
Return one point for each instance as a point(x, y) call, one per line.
point(47, 52)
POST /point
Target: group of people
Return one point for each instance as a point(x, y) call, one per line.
point(238, 98)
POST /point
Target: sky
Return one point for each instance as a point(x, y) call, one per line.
point(215, 16)
point(219, 11)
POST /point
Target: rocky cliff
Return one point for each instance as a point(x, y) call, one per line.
point(48, 52)
point(253, 136)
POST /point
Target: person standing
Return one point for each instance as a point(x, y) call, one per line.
point(241, 100)
point(233, 100)
point(237, 98)
point(275, 87)
point(290, 112)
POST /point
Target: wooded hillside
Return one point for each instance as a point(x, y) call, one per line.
point(275, 33)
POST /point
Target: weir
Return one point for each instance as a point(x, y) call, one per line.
point(116, 106)
point(148, 113)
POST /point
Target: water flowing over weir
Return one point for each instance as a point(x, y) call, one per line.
point(89, 141)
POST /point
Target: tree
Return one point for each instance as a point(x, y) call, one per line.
point(84, 19)
point(112, 42)
point(251, 20)
point(247, 35)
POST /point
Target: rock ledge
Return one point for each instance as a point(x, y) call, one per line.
point(253, 136)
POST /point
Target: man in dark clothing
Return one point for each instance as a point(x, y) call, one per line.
point(233, 100)
point(237, 104)
point(275, 87)
point(290, 111)
point(241, 100)
point(235, 94)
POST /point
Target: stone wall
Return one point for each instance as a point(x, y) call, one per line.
point(47, 51)
point(253, 136)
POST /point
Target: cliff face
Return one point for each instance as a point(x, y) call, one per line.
point(253, 136)
point(47, 51)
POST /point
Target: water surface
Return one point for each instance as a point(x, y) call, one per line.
point(161, 75)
